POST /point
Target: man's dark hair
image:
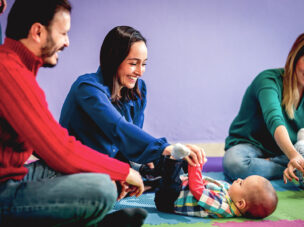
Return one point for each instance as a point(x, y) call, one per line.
point(24, 13)
point(115, 48)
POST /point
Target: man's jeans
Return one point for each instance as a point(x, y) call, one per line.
point(46, 198)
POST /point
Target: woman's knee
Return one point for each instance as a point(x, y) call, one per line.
point(235, 165)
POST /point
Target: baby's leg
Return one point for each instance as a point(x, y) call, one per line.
point(300, 148)
point(180, 151)
point(170, 185)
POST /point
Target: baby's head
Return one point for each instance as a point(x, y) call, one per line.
point(254, 196)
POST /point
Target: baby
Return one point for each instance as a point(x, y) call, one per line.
point(253, 197)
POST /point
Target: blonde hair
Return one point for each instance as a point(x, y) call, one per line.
point(291, 96)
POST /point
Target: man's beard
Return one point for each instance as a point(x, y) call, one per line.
point(49, 50)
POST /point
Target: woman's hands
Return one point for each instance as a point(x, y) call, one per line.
point(296, 162)
point(195, 158)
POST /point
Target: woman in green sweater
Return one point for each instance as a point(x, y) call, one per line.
point(262, 135)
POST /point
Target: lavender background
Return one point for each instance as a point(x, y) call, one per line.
point(202, 55)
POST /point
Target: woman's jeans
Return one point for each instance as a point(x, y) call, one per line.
point(46, 198)
point(243, 160)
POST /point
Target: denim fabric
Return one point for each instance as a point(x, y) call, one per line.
point(89, 114)
point(47, 198)
point(243, 160)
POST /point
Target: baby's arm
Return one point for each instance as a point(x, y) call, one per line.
point(195, 179)
point(196, 183)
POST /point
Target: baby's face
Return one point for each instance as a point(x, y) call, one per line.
point(240, 187)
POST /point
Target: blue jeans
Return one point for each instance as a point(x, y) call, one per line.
point(243, 160)
point(47, 198)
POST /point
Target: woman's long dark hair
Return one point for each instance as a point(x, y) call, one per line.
point(115, 48)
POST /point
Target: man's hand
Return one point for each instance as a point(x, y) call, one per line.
point(123, 189)
point(150, 165)
point(295, 163)
point(134, 183)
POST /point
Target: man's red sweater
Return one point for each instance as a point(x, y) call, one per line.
point(26, 124)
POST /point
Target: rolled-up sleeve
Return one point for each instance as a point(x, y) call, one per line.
point(270, 103)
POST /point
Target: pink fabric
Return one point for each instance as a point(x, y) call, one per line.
point(281, 223)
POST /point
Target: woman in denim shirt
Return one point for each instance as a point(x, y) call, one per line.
point(105, 110)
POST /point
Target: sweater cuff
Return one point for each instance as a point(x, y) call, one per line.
point(276, 123)
point(124, 172)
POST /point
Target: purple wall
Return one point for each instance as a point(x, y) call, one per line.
point(202, 56)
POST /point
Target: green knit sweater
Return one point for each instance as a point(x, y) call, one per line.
point(261, 113)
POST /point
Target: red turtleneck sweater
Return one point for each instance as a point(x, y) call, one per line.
point(26, 124)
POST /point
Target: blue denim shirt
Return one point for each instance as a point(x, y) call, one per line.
point(92, 118)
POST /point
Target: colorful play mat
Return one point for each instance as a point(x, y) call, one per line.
point(289, 212)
